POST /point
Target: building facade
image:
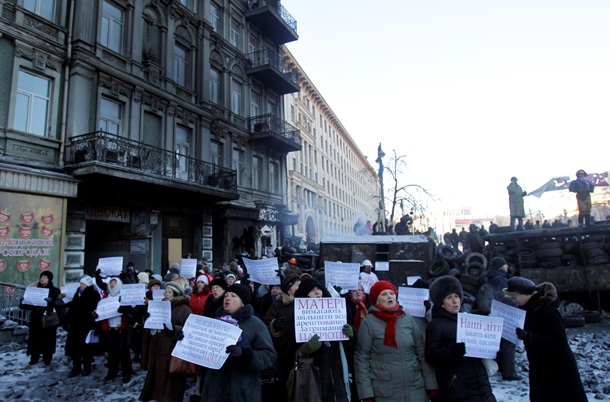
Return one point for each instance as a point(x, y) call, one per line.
point(331, 183)
point(155, 126)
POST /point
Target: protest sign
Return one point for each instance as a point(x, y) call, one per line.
point(35, 296)
point(344, 275)
point(412, 279)
point(133, 294)
point(107, 308)
point(324, 316)
point(160, 313)
point(263, 271)
point(69, 289)
point(480, 333)
point(205, 341)
point(158, 294)
point(382, 265)
point(188, 268)
point(412, 300)
point(513, 318)
point(111, 266)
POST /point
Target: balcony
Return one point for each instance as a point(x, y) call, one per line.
point(267, 67)
point(274, 133)
point(272, 19)
point(109, 154)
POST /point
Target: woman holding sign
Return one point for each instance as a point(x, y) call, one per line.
point(460, 378)
point(389, 360)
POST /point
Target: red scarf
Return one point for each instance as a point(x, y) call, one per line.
point(360, 314)
point(389, 316)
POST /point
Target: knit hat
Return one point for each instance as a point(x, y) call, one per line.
point(497, 263)
point(233, 266)
point(379, 287)
point(86, 280)
point(175, 268)
point(306, 286)
point(153, 282)
point(219, 282)
point(204, 279)
point(231, 275)
point(288, 281)
point(143, 277)
point(518, 285)
point(48, 274)
point(242, 291)
point(443, 286)
point(157, 277)
point(177, 288)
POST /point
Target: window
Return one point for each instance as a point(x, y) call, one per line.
point(254, 102)
point(252, 44)
point(181, 62)
point(234, 37)
point(215, 17)
point(217, 153)
point(44, 8)
point(274, 177)
point(32, 105)
point(112, 27)
point(257, 172)
point(110, 116)
point(292, 113)
point(186, 3)
point(183, 139)
point(237, 164)
point(215, 85)
point(236, 89)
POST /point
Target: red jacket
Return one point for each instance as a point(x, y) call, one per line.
point(198, 301)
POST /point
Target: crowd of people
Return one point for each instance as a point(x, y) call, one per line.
point(387, 354)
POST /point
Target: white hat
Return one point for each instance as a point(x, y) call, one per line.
point(204, 279)
point(86, 280)
point(366, 263)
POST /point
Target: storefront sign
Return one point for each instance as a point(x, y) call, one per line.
point(107, 213)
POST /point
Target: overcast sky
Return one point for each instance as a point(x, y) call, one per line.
point(472, 92)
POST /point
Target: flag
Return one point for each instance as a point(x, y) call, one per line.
point(563, 182)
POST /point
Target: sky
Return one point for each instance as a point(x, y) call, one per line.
point(472, 92)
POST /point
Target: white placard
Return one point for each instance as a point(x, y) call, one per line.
point(160, 313)
point(412, 300)
point(35, 296)
point(412, 279)
point(324, 316)
point(513, 318)
point(480, 333)
point(69, 289)
point(111, 266)
point(340, 274)
point(382, 265)
point(205, 341)
point(263, 271)
point(188, 268)
point(133, 294)
point(158, 294)
point(367, 281)
point(107, 308)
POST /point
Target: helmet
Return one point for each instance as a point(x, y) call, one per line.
point(581, 173)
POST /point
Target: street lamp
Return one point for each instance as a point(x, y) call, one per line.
point(381, 217)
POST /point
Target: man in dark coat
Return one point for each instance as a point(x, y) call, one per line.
point(582, 187)
point(515, 203)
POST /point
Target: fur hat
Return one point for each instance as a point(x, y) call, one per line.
point(153, 282)
point(143, 277)
point(497, 263)
point(177, 288)
point(48, 274)
point(443, 286)
point(242, 291)
point(306, 286)
point(288, 281)
point(379, 287)
point(86, 280)
point(219, 282)
point(518, 285)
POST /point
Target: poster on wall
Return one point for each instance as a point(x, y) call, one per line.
point(30, 237)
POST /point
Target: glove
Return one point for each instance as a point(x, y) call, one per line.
point(234, 350)
point(348, 331)
point(179, 335)
point(167, 330)
point(146, 315)
point(48, 299)
point(432, 393)
point(279, 324)
point(457, 350)
point(95, 315)
point(522, 334)
point(98, 272)
point(310, 346)
point(338, 289)
point(427, 305)
point(524, 193)
point(61, 296)
point(368, 400)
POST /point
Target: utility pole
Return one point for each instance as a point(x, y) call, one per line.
point(381, 218)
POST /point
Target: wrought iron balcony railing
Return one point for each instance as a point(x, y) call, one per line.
point(269, 57)
point(108, 148)
point(268, 123)
point(276, 5)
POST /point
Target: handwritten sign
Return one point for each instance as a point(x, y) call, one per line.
point(35, 296)
point(480, 333)
point(382, 265)
point(263, 271)
point(513, 318)
point(107, 308)
point(324, 316)
point(111, 266)
point(188, 268)
point(205, 341)
point(344, 275)
point(160, 313)
point(69, 289)
point(133, 294)
point(412, 300)
point(367, 281)
point(158, 294)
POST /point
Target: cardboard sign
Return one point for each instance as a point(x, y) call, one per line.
point(263, 271)
point(344, 275)
point(188, 268)
point(107, 308)
point(412, 300)
point(160, 313)
point(205, 341)
point(513, 318)
point(324, 316)
point(111, 266)
point(480, 333)
point(35, 296)
point(133, 294)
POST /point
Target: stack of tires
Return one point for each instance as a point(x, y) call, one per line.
point(593, 248)
point(575, 315)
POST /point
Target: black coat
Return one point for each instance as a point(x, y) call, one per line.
point(41, 340)
point(459, 379)
point(553, 371)
point(79, 320)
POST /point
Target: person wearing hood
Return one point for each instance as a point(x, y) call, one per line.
point(79, 322)
point(160, 384)
point(459, 378)
point(553, 372)
point(42, 341)
point(238, 380)
point(389, 361)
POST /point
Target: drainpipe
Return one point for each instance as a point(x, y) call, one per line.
point(66, 84)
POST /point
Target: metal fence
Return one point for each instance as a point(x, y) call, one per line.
point(9, 303)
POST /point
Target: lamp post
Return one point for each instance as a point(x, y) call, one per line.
point(381, 217)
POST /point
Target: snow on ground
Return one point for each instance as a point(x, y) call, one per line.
point(21, 382)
